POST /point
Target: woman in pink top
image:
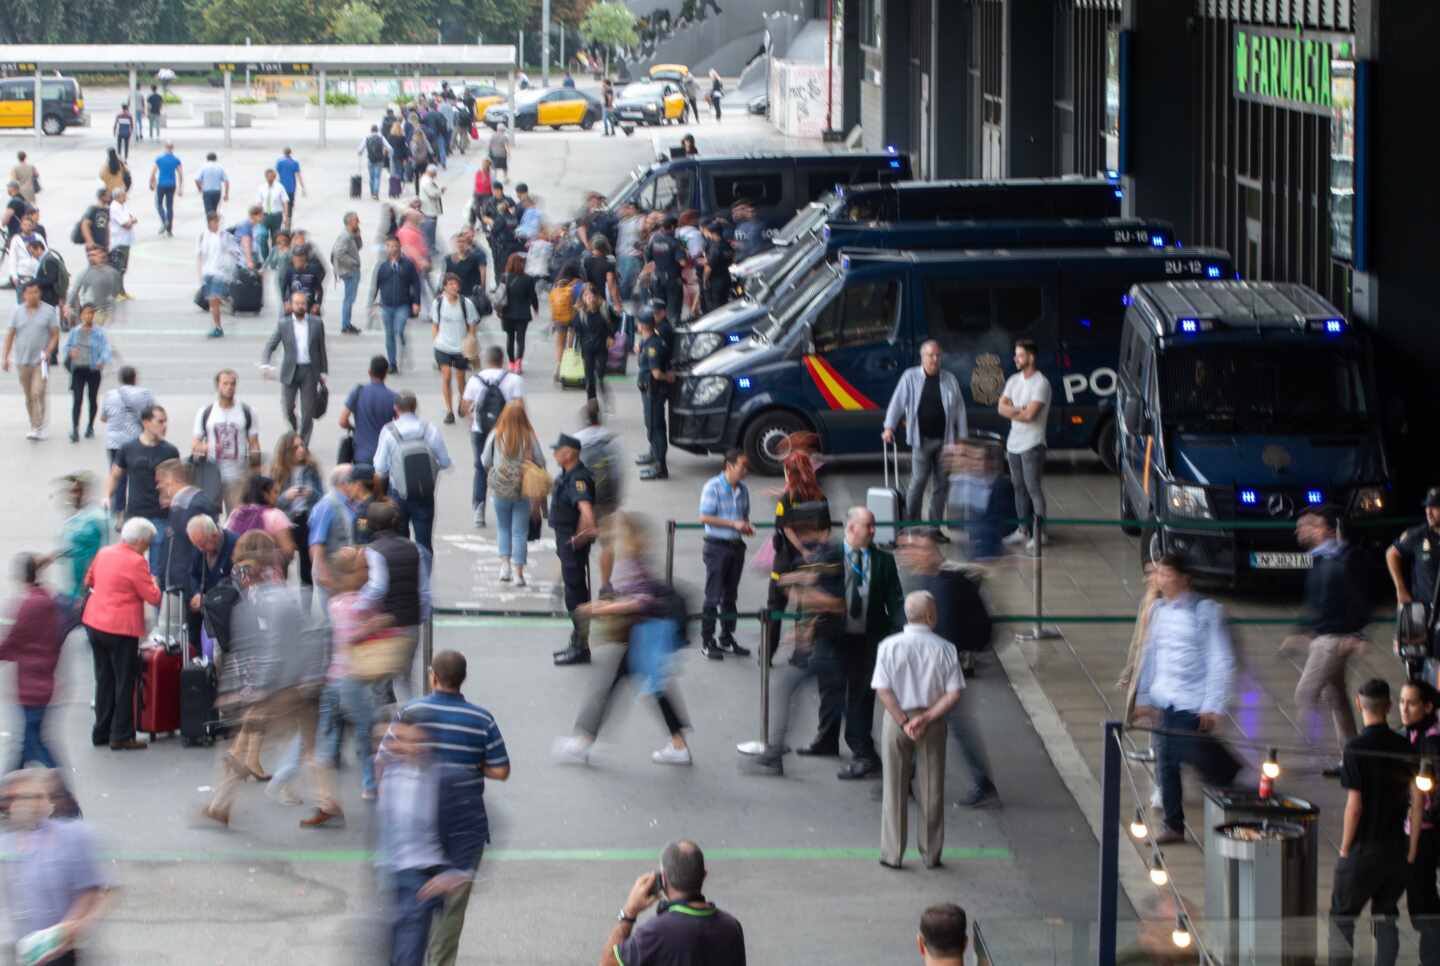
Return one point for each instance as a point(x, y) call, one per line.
point(120, 586)
point(258, 512)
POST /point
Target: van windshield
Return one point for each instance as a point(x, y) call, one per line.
point(798, 261)
point(625, 191)
point(784, 313)
point(811, 216)
point(1277, 389)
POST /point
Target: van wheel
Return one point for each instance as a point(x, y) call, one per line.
point(764, 436)
point(587, 123)
point(1107, 446)
point(1152, 545)
point(52, 125)
point(1127, 512)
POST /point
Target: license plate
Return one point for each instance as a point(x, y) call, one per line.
point(1280, 561)
point(632, 115)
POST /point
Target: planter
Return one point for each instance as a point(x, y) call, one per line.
point(238, 119)
point(331, 111)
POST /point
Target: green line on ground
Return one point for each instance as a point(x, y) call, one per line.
point(351, 856)
point(542, 622)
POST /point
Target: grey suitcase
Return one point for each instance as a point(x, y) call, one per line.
point(887, 502)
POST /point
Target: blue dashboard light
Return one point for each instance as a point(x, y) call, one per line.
point(732, 336)
point(1334, 326)
point(844, 261)
point(1314, 497)
point(1119, 193)
point(1085, 323)
point(1212, 271)
point(894, 164)
point(1249, 497)
point(1157, 241)
point(1124, 300)
point(1189, 326)
point(743, 382)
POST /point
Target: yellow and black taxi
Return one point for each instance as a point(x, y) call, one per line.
point(676, 74)
point(62, 104)
point(486, 96)
point(831, 358)
point(548, 108)
point(650, 102)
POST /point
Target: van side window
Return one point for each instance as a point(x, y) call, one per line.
point(16, 91)
point(671, 192)
point(760, 188)
point(961, 313)
point(862, 315)
point(55, 90)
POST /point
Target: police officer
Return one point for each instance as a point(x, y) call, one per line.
point(1417, 551)
point(666, 257)
point(572, 515)
point(718, 257)
point(749, 235)
point(656, 315)
point(655, 384)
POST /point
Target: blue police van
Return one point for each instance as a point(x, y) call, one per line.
point(831, 360)
point(770, 292)
point(1243, 401)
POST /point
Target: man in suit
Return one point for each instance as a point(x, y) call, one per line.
point(874, 609)
point(303, 363)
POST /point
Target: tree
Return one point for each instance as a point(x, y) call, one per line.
point(263, 21)
point(357, 23)
point(610, 24)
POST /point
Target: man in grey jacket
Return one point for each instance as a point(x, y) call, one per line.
point(928, 401)
point(98, 284)
point(345, 260)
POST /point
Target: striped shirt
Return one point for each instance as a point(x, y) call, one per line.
point(720, 499)
point(461, 733)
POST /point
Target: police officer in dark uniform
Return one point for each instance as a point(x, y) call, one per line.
point(718, 257)
point(655, 314)
point(749, 235)
point(1414, 558)
point(572, 514)
point(665, 255)
point(655, 383)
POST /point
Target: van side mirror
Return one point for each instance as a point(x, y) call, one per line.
point(1132, 414)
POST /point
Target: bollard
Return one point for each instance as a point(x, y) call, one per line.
point(766, 646)
point(427, 652)
point(1039, 632)
point(670, 552)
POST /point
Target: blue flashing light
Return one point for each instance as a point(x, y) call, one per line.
point(1112, 175)
point(1314, 497)
point(825, 233)
point(1189, 326)
point(894, 164)
point(844, 262)
point(1157, 241)
point(1334, 326)
point(743, 382)
point(1249, 497)
point(1124, 300)
point(1212, 271)
point(1119, 193)
point(1085, 323)
point(732, 336)
point(890, 149)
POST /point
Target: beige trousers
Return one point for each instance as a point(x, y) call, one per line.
point(34, 389)
point(900, 759)
point(1323, 682)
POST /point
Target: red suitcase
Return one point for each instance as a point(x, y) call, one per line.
point(157, 692)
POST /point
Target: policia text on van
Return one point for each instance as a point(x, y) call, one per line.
point(832, 359)
point(1243, 401)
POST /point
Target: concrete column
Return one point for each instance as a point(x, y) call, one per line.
point(229, 108)
point(950, 28)
point(39, 106)
point(544, 43)
point(417, 84)
point(1029, 88)
point(1159, 180)
point(133, 100)
point(852, 62)
point(324, 97)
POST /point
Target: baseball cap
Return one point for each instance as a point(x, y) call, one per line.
point(1432, 496)
point(657, 304)
point(564, 440)
point(362, 473)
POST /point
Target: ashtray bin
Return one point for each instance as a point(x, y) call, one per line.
point(1261, 915)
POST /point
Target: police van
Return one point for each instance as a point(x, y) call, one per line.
point(956, 200)
point(831, 360)
point(732, 322)
point(777, 185)
point(1243, 401)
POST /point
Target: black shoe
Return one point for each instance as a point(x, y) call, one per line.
point(1331, 772)
point(709, 649)
point(572, 655)
point(889, 865)
point(730, 647)
point(89, 432)
point(349, 330)
point(449, 419)
point(981, 796)
point(654, 474)
point(940, 537)
point(768, 764)
point(859, 768)
point(819, 749)
point(74, 436)
point(644, 459)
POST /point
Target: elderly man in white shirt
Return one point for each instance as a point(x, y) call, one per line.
point(918, 680)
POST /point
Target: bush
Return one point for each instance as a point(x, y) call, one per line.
point(171, 98)
point(335, 99)
point(247, 100)
point(403, 99)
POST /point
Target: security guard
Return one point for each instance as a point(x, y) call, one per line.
point(572, 514)
point(655, 383)
point(666, 256)
point(1418, 551)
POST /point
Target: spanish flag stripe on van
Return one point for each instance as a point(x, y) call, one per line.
point(837, 392)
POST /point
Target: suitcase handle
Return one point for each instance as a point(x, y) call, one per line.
point(890, 451)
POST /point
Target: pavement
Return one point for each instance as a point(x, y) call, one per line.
point(794, 858)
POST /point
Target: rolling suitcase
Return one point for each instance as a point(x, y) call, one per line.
point(357, 185)
point(619, 358)
point(157, 692)
point(199, 723)
point(886, 502)
point(396, 186)
point(247, 294)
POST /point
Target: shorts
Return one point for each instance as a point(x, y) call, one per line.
point(452, 359)
point(500, 162)
point(215, 287)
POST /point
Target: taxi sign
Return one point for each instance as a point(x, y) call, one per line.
point(19, 68)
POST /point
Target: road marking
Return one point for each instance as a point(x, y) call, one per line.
point(841, 854)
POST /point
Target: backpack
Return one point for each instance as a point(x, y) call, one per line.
point(244, 518)
point(62, 277)
point(507, 475)
point(375, 148)
point(216, 606)
point(600, 458)
point(412, 467)
point(205, 419)
point(490, 404)
point(502, 296)
point(562, 304)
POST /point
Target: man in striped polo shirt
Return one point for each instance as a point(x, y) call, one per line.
point(461, 735)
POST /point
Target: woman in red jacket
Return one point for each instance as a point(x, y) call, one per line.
point(120, 585)
point(33, 643)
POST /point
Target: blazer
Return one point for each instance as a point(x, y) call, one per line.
point(284, 337)
point(885, 614)
point(121, 585)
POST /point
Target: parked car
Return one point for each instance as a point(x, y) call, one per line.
point(553, 108)
point(650, 102)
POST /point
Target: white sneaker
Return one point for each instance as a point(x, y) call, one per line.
point(33, 434)
point(670, 755)
point(280, 792)
point(41, 433)
point(504, 571)
point(1016, 538)
point(1030, 544)
point(571, 751)
point(1156, 802)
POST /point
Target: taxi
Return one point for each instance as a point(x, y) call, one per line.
point(675, 73)
point(553, 108)
point(62, 104)
point(486, 96)
point(651, 102)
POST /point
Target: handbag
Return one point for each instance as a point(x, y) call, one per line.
point(322, 400)
point(536, 521)
point(346, 451)
point(535, 483)
point(380, 657)
point(482, 302)
point(470, 349)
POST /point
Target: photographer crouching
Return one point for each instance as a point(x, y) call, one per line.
point(686, 928)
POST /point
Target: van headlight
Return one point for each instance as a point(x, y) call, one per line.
point(704, 344)
point(1188, 501)
point(1368, 500)
point(708, 390)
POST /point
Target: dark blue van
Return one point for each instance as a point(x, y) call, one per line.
point(1243, 401)
point(831, 359)
point(770, 292)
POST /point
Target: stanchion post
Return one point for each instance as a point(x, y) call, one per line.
point(767, 647)
point(1039, 632)
point(670, 552)
point(427, 652)
point(1109, 843)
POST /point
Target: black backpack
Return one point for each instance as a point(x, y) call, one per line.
point(375, 148)
point(490, 404)
point(216, 607)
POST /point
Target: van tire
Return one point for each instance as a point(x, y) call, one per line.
point(52, 125)
point(587, 123)
point(1152, 545)
point(1127, 512)
point(762, 434)
point(1107, 445)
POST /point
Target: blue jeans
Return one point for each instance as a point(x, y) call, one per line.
point(410, 917)
point(421, 515)
point(33, 748)
point(609, 121)
point(512, 528)
point(350, 700)
point(1210, 757)
point(165, 205)
point(375, 171)
point(628, 269)
point(352, 288)
point(442, 149)
point(158, 547)
point(395, 317)
point(429, 227)
point(481, 484)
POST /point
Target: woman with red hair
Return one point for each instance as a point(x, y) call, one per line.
point(801, 486)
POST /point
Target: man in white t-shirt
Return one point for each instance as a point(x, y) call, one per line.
point(215, 264)
point(510, 387)
point(122, 235)
point(227, 434)
point(1025, 401)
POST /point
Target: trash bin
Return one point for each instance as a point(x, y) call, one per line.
point(1264, 869)
point(1228, 806)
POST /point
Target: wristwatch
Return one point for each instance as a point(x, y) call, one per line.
point(621, 917)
